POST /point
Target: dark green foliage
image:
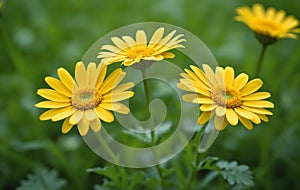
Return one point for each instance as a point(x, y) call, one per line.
point(43, 179)
point(37, 37)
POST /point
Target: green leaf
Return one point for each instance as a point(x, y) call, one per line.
point(136, 179)
point(152, 183)
point(43, 179)
point(208, 163)
point(111, 172)
point(235, 174)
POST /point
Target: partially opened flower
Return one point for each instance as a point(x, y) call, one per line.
point(130, 51)
point(268, 25)
point(85, 100)
point(224, 97)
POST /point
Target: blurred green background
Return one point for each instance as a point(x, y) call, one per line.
point(37, 37)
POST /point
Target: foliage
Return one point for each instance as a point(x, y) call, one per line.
point(37, 37)
point(43, 179)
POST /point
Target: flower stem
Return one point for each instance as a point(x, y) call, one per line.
point(123, 178)
point(261, 56)
point(196, 160)
point(147, 95)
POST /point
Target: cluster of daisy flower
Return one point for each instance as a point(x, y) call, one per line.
point(90, 97)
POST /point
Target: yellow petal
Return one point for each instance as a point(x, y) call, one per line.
point(203, 101)
point(207, 107)
point(66, 127)
point(232, 117)
point(251, 87)
point(81, 75)
point(185, 87)
point(119, 43)
point(279, 16)
point(195, 87)
point(66, 78)
point(49, 114)
point(229, 77)
point(113, 49)
point(220, 76)
point(141, 38)
point(112, 80)
point(194, 79)
point(220, 123)
point(204, 117)
point(220, 111)
point(246, 122)
point(258, 10)
point(156, 37)
point(53, 95)
point(263, 117)
point(168, 55)
point(128, 62)
point(129, 40)
point(64, 113)
point(51, 104)
point(103, 68)
point(76, 117)
point(163, 41)
point(120, 108)
point(58, 86)
point(90, 115)
point(95, 125)
point(189, 97)
point(259, 104)
point(92, 74)
point(123, 87)
point(200, 74)
point(244, 113)
point(210, 75)
point(104, 115)
point(118, 96)
point(257, 110)
point(257, 96)
point(240, 81)
point(83, 126)
point(109, 105)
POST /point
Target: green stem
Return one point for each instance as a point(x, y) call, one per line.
point(147, 95)
point(196, 160)
point(261, 57)
point(123, 179)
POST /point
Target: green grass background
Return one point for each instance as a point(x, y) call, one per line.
point(37, 37)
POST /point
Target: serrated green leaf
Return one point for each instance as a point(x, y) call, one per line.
point(43, 179)
point(235, 174)
point(110, 172)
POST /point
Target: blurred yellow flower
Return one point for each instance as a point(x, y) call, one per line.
point(268, 25)
point(130, 51)
point(225, 97)
point(85, 100)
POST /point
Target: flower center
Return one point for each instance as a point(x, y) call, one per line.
point(226, 97)
point(85, 99)
point(140, 52)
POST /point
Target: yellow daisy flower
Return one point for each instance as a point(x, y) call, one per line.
point(226, 98)
point(130, 51)
point(85, 100)
point(268, 25)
